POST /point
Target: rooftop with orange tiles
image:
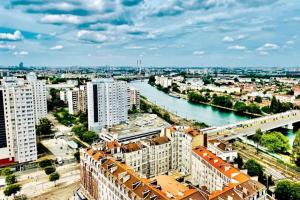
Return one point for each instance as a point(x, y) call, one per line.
point(224, 167)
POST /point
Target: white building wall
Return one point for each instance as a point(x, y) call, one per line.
point(111, 107)
point(20, 121)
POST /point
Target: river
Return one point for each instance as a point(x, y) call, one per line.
point(202, 113)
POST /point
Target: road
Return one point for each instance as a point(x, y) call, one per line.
point(36, 184)
point(249, 127)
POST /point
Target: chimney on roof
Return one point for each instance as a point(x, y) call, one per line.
point(153, 182)
point(154, 197)
point(126, 178)
point(227, 168)
point(146, 193)
point(122, 174)
point(135, 184)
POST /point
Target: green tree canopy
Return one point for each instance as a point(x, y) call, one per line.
point(240, 106)
point(286, 189)
point(6, 171)
point(296, 148)
point(11, 189)
point(44, 127)
point(224, 101)
point(254, 168)
point(54, 177)
point(253, 108)
point(45, 163)
point(258, 99)
point(10, 179)
point(239, 161)
point(49, 170)
point(275, 142)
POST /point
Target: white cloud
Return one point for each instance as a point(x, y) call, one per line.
point(61, 19)
point(232, 39)
point(237, 47)
point(267, 47)
point(228, 39)
point(57, 47)
point(263, 53)
point(199, 53)
point(21, 53)
point(17, 35)
point(133, 47)
point(290, 42)
point(5, 46)
point(91, 36)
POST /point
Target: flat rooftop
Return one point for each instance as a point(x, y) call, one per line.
point(139, 123)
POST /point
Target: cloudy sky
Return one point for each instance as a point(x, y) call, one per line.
point(159, 32)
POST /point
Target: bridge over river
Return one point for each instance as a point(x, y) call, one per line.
point(249, 127)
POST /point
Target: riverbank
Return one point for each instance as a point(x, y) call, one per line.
point(185, 97)
point(172, 118)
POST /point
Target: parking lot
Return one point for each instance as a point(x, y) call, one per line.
point(59, 148)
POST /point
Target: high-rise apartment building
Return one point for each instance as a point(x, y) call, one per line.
point(17, 122)
point(107, 103)
point(39, 92)
point(134, 98)
point(73, 100)
point(82, 98)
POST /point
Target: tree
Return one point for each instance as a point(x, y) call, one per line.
point(296, 148)
point(6, 171)
point(257, 137)
point(44, 127)
point(286, 189)
point(167, 117)
point(254, 168)
point(239, 161)
point(151, 80)
point(258, 99)
point(11, 189)
point(253, 108)
point(240, 106)
point(275, 142)
point(10, 179)
point(77, 156)
point(49, 170)
point(89, 136)
point(54, 177)
point(45, 163)
point(224, 101)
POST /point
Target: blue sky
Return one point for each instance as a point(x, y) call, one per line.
point(159, 32)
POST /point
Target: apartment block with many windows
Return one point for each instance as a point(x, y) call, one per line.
point(18, 136)
point(107, 103)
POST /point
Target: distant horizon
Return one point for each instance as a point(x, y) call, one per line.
point(160, 33)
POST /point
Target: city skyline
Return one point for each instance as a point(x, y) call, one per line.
point(172, 33)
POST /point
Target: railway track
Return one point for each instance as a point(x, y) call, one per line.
point(268, 162)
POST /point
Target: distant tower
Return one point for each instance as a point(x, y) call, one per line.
point(139, 66)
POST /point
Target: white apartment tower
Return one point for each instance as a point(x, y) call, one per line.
point(17, 122)
point(83, 98)
point(39, 92)
point(73, 100)
point(77, 100)
point(134, 98)
point(107, 103)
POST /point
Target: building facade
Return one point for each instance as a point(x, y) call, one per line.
point(219, 177)
point(107, 103)
point(73, 101)
point(134, 98)
point(39, 92)
point(18, 136)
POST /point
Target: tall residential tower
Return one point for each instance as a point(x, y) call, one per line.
point(17, 122)
point(107, 103)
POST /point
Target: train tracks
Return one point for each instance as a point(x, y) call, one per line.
point(272, 167)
